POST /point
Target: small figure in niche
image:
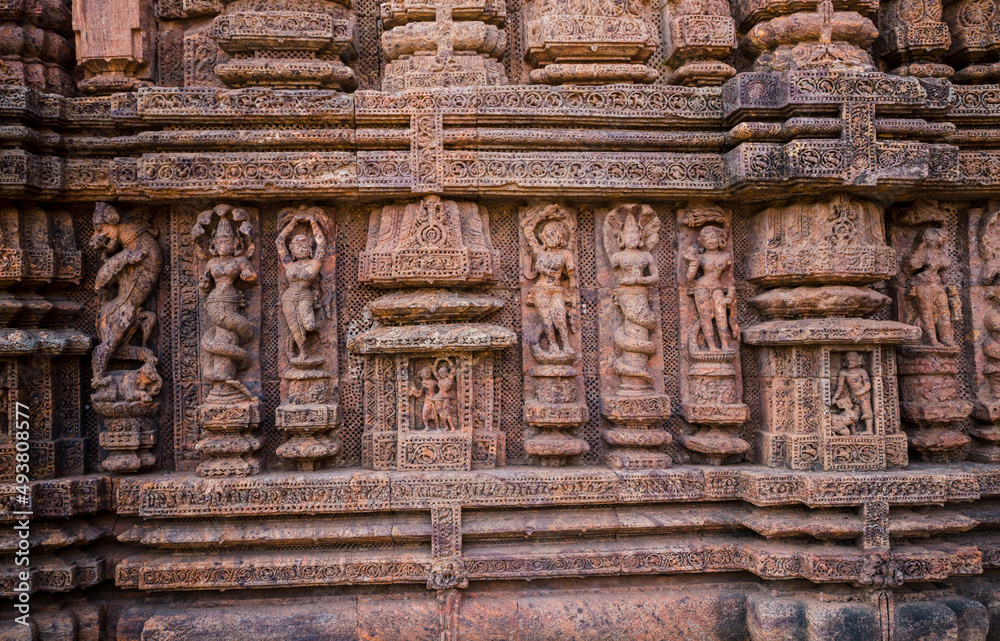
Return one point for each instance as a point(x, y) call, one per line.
point(428, 390)
point(715, 304)
point(854, 387)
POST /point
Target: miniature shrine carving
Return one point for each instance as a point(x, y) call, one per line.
point(500, 319)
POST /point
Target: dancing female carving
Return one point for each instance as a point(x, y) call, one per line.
point(131, 267)
point(227, 252)
point(708, 262)
point(300, 301)
point(553, 269)
point(630, 232)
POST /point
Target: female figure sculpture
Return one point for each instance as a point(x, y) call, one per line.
point(302, 265)
point(715, 304)
point(228, 267)
point(923, 270)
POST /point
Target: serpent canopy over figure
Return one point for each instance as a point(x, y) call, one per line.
point(553, 269)
point(224, 238)
point(302, 258)
point(923, 269)
point(630, 232)
point(131, 268)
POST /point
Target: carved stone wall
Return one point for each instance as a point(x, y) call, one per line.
point(500, 319)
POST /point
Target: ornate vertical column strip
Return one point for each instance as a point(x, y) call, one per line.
point(186, 308)
point(308, 353)
point(984, 293)
point(554, 401)
point(124, 391)
point(631, 356)
point(926, 297)
point(426, 149)
point(230, 412)
point(711, 382)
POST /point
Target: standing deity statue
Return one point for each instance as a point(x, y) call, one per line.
point(301, 258)
point(228, 268)
point(552, 268)
point(923, 268)
point(708, 262)
point(630, 232)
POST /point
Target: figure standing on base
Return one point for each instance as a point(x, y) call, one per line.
point(715, 304)
point(551, 262)
point(854, 394)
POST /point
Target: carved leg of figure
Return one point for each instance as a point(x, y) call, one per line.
point(945, 331)
point(558, 316)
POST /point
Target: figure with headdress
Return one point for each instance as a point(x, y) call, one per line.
point(302, 258)
point(708, 261)
point(443, 398)
point(923, 270)
point(630, 232)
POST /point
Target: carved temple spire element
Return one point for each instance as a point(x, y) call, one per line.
point(827, 373)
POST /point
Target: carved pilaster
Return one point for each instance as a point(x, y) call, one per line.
point(630, 340)
point(230, 412)
point(827, 373)
point(304, 48)
point(711, 383)
point(975, 40)
point(554, 401)
point(698, 37)
point(912, 36)
point(308, 360)
point(927, 296)
point(125, 377)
